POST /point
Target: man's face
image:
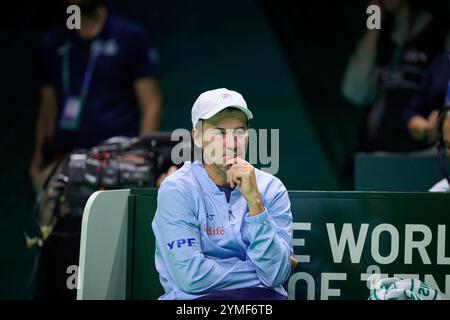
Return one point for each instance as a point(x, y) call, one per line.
point(446, 135)
point(223, 137)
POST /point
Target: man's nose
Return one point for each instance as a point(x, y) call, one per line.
point(230, 141)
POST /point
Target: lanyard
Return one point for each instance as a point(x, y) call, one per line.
point(95, 51)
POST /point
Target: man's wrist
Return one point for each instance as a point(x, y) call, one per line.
point(255, 206)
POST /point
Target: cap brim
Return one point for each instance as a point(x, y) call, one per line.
point(216, 110)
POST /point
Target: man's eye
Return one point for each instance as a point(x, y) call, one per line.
point(239, 132)
point(217, 133)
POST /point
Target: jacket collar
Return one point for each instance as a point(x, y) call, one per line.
point(205, 181)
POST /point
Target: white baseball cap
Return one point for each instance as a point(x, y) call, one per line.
point(211, 102)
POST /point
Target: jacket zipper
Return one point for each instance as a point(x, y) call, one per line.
point(230, 214)
point(238, 235)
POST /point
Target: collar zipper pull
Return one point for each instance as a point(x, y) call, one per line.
point(231, 217)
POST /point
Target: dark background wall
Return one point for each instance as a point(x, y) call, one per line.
point(285, 57)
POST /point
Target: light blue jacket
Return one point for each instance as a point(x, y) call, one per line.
point(205, 244)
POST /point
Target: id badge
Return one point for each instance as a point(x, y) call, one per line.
point(70, 117)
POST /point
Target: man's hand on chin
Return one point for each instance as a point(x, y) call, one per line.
point(242, 174)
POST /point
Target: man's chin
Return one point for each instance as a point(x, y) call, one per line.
point(233, 159)
point(221, 166)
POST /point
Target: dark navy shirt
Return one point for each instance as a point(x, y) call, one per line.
point(111, 107)
point(431, 95)
point(227, 191)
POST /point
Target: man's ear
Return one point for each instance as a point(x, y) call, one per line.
point(197, 138)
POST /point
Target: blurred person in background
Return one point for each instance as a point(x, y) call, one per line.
point(97, 82)
point(386, 69)
point(421, 115)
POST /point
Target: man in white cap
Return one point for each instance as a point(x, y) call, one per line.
point(223, 228)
